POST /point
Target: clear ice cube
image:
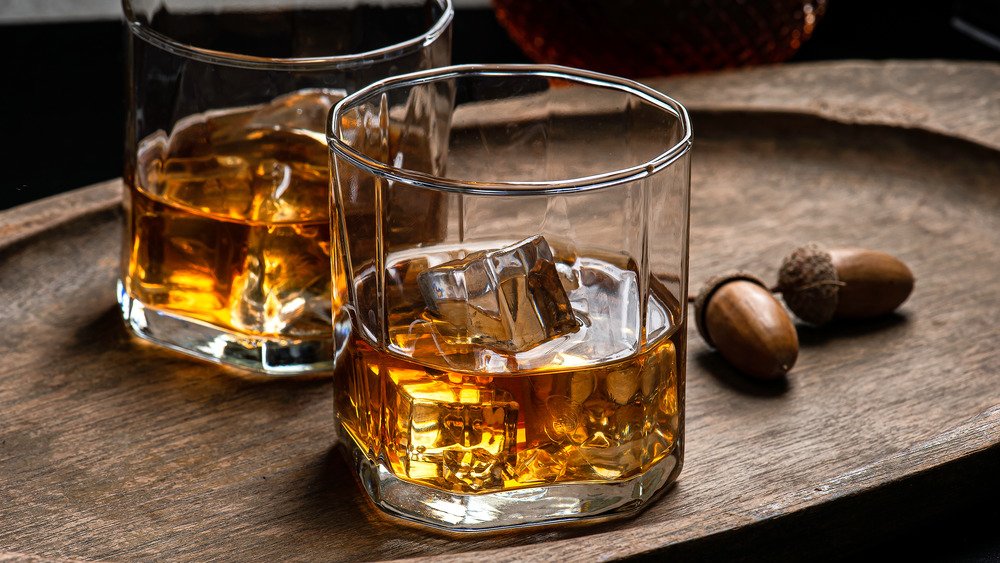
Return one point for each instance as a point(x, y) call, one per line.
point(284, 287)
point(303, 112)
point(509, 299)
point(305, 109)
point(456, 433)
point(267, 163)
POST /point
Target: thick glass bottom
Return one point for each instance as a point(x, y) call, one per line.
point(532, 506)
point(260, 354)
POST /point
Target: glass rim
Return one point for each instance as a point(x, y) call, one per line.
point(334, 62)
point(568, 185)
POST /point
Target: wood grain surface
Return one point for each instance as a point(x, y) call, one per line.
point(113, 450)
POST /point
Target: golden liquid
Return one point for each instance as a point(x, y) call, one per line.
point(228, 221)
point(228, 218)
point(527, 422)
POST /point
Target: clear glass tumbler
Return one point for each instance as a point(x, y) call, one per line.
point(227, 240)
point(522, 362)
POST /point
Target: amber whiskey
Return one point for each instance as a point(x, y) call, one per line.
point(601, 403)
point(228, 220)
point(229, 223)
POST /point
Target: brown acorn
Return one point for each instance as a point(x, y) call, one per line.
point(820, 284)
point(809, 284)
point(738, 316)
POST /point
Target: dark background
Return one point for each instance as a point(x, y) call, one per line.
point(62, 120)
point(63, 84)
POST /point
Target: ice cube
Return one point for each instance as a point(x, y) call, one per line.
point(509, 299)
point(459, 434)
point(563, 418)
point(611, 456)
point(284, 287)
point(663, 409)
point(231, 130)
point(622, 384)
point(542, 464)
point(266, 163)
point(305, 109)
point(608, 298)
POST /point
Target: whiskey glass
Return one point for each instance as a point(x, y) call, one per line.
point(227, 243)
point(517, 355)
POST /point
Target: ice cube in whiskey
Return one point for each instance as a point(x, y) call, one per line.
point(509, 299)
point(456, 431)
point(229, 220)
point(453, 431)
point(583, 407)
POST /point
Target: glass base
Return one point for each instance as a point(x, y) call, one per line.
point(261, 354)
point(532, 506)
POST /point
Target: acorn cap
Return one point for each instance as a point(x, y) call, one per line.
point(709, 288)
point(809, 283)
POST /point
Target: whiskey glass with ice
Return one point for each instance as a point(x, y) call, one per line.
point(227, 241)
point(523, 363)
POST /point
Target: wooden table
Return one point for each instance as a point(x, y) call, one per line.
point(113, 450)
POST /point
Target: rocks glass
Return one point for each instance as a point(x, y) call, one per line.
point(227, 230)
point(515, 242)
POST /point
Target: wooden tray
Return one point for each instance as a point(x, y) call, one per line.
point(114, 450)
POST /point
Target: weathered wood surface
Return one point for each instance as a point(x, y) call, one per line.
point(113, 450)
point(961, 100)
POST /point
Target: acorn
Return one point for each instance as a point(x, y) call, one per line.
point(739, 316)
point(820, 284)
